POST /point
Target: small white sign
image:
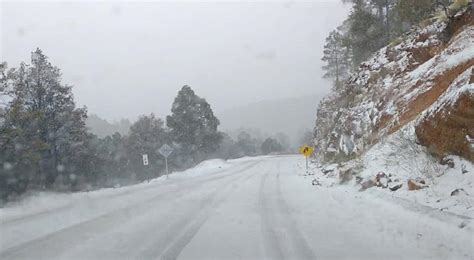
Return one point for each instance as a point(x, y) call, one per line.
point(165, 150)
point(145, 159)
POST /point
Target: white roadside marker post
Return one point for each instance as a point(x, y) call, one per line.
point(166, 163)
point(306, 164)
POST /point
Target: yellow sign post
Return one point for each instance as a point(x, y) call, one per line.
point(306, 150)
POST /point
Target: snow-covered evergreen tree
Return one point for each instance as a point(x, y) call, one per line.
point(146, 136)
point(43, 134)
point(246, 145)
point(271, 145)
point(193, 127)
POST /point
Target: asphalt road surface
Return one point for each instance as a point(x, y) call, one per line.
point(258, 208)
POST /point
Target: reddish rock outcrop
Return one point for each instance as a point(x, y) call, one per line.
point(449, 127)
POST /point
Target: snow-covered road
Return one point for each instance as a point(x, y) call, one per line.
point(253, 208)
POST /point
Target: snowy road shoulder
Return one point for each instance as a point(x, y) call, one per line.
point(45, 213)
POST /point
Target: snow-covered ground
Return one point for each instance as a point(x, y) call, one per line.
point(400, 156)
point(251, 208)
point(48, 201)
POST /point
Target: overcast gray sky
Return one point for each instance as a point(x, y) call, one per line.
point(126, 59)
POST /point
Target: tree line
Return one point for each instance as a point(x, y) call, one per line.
point(45, 144)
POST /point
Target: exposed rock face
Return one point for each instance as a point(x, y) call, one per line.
point(448, 126)
point(396, 86)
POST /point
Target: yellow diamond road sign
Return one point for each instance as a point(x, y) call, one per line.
point(306, 150)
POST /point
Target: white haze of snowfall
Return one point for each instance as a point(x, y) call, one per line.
point(139, 54)
point(294, 115)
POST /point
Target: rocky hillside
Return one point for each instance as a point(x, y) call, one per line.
point(424, 78)
point(404, 122)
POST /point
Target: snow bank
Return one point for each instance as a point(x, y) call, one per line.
point(43, 202)
point(45, 213)
point(401, 158)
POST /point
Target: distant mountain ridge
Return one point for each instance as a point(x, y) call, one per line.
point(290, 116)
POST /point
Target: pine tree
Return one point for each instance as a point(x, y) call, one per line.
point(337, 57)
point(246, 145)
point(226, 146)
point(410, 12)
point(112, 154)
point(146, 136)
point(385, 17)
point(271, 145)
point(366, 32)
point(193, 127)
point(43, 124)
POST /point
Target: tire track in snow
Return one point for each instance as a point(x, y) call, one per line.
point(299, 242)
point(270, 238)
point(282, 238)
point(115, 195)
point(82, 231)
point(87, 229)
point(181, 232)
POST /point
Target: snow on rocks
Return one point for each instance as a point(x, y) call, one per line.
point(458, 87)
point(443, 127)
point(396, 187)
point(401, 167)
point(382, 180)
point(392, 88)
point(329, 168)
point(370, 125)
